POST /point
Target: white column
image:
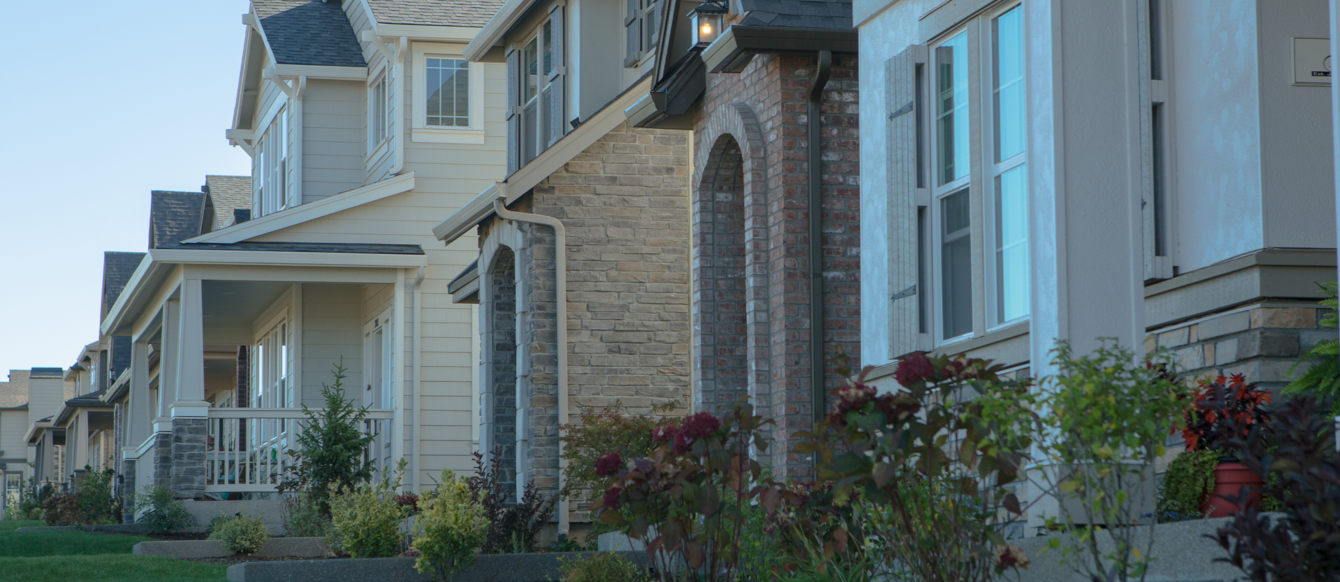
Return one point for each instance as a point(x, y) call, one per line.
point(138, 416)
point(190, 356)
point(168, 363)
point(1085, 175)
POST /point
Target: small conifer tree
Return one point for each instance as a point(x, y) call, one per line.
point(331, 446)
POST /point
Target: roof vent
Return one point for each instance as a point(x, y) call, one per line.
point(241, 215)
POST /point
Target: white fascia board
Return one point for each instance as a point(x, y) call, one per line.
point(462, 34)
point(322, 72)
point(128, 292)
point(242, 75)
point(497, 26)
point(543, 166)
point(289, 259)
point(310, 211)
point(465, 218)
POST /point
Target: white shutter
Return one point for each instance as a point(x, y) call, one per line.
point(557, 123)
point(907, 192)
point(513, 110)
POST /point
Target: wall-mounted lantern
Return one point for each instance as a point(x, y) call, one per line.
point(708, 20)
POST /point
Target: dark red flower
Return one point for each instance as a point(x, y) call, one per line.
point(612, 497)
point(609, 464)
point(409, 500)
point(664, 434)
point(914, 368)
point(701, 425)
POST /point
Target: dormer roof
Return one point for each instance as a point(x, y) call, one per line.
point(468, 13)
point(308, 32)
point(228, 193)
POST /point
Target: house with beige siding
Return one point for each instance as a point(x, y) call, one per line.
point(582, 261)
point(47, 391)
point(14, 450)
point(365, 125)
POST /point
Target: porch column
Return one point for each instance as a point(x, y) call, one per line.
point(1084, 172)
point(189, 410)
point(137, 423)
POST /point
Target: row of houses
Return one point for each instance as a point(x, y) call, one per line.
point(492, 214)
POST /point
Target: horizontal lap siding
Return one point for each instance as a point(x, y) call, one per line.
point(332, 327)
point(334, 138)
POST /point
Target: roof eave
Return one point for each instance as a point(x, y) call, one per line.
point(467, 217)
point(733, 50)
point(493, 32)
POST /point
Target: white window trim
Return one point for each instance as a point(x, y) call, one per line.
point(421, 132)
point(258, 382)
point(378, 148)
point(386, 388)
point(991, 169)
point(543, 80)
point(939, 192)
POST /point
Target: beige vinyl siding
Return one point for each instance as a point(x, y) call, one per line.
point(13, 425)
point(45, 395)
point(332, 327)
point(462, 167)
point(334, 138)
point(379, 167)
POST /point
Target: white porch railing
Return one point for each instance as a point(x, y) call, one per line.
point(246, 450)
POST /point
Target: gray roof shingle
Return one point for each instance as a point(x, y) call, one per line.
point(833, 14)
point(116, 271)
point(228, 193)
point(309, 32)
point(13, 394)
point(174, 217)
point(468, 13)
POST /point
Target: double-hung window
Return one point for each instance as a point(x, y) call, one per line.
point(272, 364)
point(379, 111)
point(952, 208)
point(447, 95)
point(272, 162)
point(448, 92)
point(641, 27)
point(537, 115)
point(1008, 181)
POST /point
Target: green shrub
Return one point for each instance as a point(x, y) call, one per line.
point(1322, 377)
point(30, 504)
point(90, 503)
point(604, 567)
point(1189, 480)
point(303, 519)
point(160, 513)
point(240, 534)
point(450, 527)
point(365, 522)
point(331, 446)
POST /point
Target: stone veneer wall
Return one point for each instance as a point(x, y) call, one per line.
point(751, 227)
point(624, 202)
point(188, 457)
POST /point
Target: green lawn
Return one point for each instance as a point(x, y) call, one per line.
point(65, 556)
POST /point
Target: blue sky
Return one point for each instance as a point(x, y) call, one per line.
point(104, 101)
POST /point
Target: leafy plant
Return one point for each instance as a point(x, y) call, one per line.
point(1186, 485)
point(1224, 411)
point(91, 502)
point(1109, 418)
point(365, 521)
point(603, 430)
point(513, 527)
point(450, 527)
point(1322, 377)
point(601, 567)
point(331, 447)
point(1302, 544)
point(33, 497)
point(691, 492)
point(160, 513)
point(240, 534)
point(916, 502)
point(302, 517)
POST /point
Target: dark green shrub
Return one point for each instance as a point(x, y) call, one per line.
point(603, 567)
point(91, 503)
point(303, 519)
point(240, 534)
point(1186, 485)
point(160, 513)
point(1322, 378)
point(331, 447)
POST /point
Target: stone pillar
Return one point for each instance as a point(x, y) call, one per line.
point(128, 491)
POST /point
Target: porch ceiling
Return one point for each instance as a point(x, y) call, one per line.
point(238, 301)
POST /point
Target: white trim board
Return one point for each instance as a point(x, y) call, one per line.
point(544, 165)
point(311, 211)
point(497, 26)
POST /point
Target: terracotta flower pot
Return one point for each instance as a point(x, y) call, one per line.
point(1230, 478)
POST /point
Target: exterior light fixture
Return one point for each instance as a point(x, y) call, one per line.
point(708, 20)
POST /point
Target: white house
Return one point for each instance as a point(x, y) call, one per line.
point(365, 125)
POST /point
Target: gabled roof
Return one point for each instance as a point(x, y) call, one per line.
point(13, 394)
point(467, 13)
point(116, 271)
point(174, 217)
point(309, 32)
point(228, 193)
point(834, 14)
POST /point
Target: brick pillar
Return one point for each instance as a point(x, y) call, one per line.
point(128, 491)
point(188, 457)
point(162, 455)
point(502, 332)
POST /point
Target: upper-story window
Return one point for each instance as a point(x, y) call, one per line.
point(536, 117)
point(271, 166)
point(447, 95)
point(989, 136)
point(642, 27)
point(448, 92)
point(379, 111)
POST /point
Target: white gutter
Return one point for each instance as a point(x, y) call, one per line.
point(561, 281)
point(493, 32)
point(474, 211)
point(418, 385)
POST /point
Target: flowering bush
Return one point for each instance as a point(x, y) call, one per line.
point(1225, 410)
point(920, 475)
point(692, 490)
point(450, 527)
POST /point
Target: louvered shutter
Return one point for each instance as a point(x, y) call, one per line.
point(513, 110)
point(557, 124)
point(907, 193)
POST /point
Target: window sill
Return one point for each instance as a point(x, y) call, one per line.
point(459, 136)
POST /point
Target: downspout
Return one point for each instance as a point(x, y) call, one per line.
point(815, 150)
point(418, 385)
point(561, 282)
point(297, 139)
point(401, 48)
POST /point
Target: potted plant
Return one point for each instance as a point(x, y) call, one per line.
point(1224, 413)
